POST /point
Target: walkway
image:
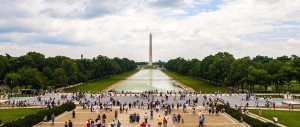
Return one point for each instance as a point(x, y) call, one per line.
point(190, 120)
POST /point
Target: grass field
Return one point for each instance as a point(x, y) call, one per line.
point(98, 85)
point(287, 118)
point(7, 115)
point(196, 84)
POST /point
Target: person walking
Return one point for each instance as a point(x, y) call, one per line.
point(151, 114)
point(116, 114)
point(143, 124)
point(113, 123)
point(275, 119)
point(73, 114)
point(178, 118)
point(146, 117)
point(52, 118)
point(259, 112)
point(159, 120)
point(201, 121)
point(70, 124)
point(119, 123)
point(174, 118)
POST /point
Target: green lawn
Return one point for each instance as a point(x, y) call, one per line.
point(287, 118)
point(196, 84)
point(7, 115)
point(99, 85)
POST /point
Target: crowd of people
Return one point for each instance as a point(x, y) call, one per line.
point(152, 101)
point(153, 105)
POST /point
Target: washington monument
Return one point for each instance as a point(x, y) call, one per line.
point(150, 50)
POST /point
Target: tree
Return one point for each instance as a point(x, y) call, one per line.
point(239, 71)
point(60, 76)
point(287, 73)
point(12, 80)
point(38, 60)
point(30, 76)
point(4, 66)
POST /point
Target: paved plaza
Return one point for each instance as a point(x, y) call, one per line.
point(234, 99)
point(190, 120)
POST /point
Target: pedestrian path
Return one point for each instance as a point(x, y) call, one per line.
point(190, 120)
point(263, 119)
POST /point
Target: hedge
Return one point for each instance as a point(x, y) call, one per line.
point(33, 119)
point(249, 120)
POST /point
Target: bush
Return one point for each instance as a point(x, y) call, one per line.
point(249, 120)
point(33, 119)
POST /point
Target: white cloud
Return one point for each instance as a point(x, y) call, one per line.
point(121, 29)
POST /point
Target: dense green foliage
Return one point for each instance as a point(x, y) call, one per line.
point(197, 84)
point(287, 118)
point(35, 71)
point(33, 119)
point(224, 70)
point(98, 85)
point(249, 120)
point(12, 114)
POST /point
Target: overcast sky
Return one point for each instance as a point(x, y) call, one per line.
point(120, 28)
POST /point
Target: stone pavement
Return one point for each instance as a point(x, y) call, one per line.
point(235, 99)
point(190, 120)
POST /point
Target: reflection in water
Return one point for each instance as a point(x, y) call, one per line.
point(151, 77)
point(148, 80)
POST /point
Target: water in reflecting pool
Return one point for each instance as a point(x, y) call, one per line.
point(148, 79)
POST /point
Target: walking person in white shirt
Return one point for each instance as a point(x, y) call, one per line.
point(146, 117)
point(275, 119)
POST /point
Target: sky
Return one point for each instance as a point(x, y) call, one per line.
point(121, 28)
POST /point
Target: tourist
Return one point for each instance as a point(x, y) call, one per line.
point(143, 125)
point(275, 119)
point(151, 114)
point(52, 118)
point(241, 119)
point(116, 114)
point(200, 122)
point(45, 119)
point(159, 120)
point(137, 118)
point(70, 123)
point(165, 122)
point(73, 114)
point(200, 113)
point(209, 110)
point(259, 112)
point(178, 118)
point(103, 122)
point(194, 111)
point(174, 118)
point(88, 124)
point(92, 123)
point(119, 123)
point(66, 124)
point(146, 117)
point(98, 123)
point(113, 123)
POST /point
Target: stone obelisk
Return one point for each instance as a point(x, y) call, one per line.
point(150, 50)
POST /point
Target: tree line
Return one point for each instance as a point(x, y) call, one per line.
point(224, 70)
point(34, 70)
